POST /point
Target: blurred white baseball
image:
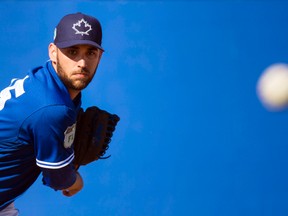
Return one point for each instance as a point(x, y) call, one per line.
point(272, 87)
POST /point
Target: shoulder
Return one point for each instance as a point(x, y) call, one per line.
point(52, 129)
point(54, 114)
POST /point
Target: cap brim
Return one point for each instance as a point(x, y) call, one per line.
point(66, 44)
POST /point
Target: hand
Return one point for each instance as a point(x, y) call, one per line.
point(75, 188)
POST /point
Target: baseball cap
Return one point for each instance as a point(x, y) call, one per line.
point(76, 29)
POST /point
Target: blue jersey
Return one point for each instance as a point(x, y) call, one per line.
point(37, 127)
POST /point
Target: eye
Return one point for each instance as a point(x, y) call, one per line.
point(92, 53)
point(72, 52)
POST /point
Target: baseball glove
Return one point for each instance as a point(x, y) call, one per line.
point(94, 130)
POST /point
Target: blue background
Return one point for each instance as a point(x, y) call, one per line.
point(193, 137)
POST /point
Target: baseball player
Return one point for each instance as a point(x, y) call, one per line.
point(38, 113)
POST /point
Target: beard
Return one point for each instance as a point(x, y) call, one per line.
point(74, 84)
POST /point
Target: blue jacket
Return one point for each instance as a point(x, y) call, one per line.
point(37, 126)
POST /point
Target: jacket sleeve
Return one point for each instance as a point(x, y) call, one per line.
point(53, 132)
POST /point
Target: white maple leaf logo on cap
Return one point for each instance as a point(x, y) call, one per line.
point(83, 24)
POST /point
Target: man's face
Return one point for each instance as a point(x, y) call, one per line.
point(76, 66)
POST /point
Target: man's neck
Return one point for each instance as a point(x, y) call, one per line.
point(73, 93)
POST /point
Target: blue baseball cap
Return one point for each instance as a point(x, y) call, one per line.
point(76, 29)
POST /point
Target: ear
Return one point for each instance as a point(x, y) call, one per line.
point(100, 55)
point(101, 52)
point(52, 52)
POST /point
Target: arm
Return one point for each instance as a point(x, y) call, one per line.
point(61, 179)
point(75, 188)
point(52, 129)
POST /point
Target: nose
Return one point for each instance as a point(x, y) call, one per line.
point(82, 63)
